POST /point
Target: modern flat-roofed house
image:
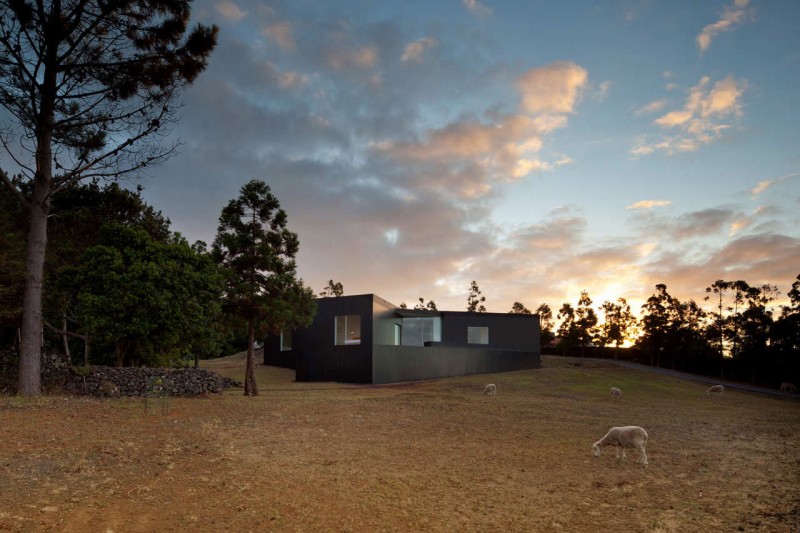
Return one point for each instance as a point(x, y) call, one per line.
point(365, 339)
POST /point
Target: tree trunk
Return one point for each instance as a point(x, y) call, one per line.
point(87, 350)
point(122, 350)
point(65, 339)
point(30, 353)
point(250, 387)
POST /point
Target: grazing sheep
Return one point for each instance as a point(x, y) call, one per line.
point(788, 387)
point(623, 437)
point(616, 393)
point(716, 390)
point(491, 389)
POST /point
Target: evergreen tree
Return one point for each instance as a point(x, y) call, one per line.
point(257, 255)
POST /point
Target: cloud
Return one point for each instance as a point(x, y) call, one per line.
point(707, 112)
point(652, 107)
point(602, 90)
point(468, 156)
point(414, 50)
point(282, 34)
point(362, 57)
point(766, 184)
point(732, 16)
point(649, 204)
point(555, 88)
point(477, 8)
point(229, 10)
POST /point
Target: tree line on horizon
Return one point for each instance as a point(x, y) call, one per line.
point(744, 337)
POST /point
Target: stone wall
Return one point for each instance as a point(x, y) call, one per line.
point(105, 381)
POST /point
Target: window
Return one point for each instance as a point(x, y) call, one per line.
point(348, 330)
point(418, 331)
point(478, 335)
point(286, 340)
point(398, 334)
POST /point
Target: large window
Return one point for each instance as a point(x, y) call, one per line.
point(477, 335)
point(286, 340)
point(418, 331)
point(348, 330)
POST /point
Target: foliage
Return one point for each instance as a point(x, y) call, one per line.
point(332, 289)
point(546, 324)
point(430, 306)
point(89, 86)
point(152, 301)
point(618, 325)
point(475, 300)
point(519, 309)
point(256, 252)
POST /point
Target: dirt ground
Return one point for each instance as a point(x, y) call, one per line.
point(430, 456)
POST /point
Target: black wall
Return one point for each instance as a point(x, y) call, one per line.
point(507, 331)
point(392, 364)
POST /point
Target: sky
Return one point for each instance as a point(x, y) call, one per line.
point(540, 148)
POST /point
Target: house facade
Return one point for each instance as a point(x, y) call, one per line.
point(365, 339)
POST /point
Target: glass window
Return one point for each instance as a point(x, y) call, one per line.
point(418, 331)
point(398, 334)
point(348, 330)
point(477, 335)
point(286, 340)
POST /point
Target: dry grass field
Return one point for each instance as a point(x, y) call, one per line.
point(430, 456)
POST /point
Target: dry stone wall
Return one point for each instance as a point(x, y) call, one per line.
point(105, 381)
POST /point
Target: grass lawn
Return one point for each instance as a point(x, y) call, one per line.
point(427, 456)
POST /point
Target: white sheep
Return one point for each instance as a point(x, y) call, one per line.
point(788, 387)
point(490, 389)
point(616, 393)
point(623, 437)
point(716, 390)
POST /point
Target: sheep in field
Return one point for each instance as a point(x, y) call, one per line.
point(616, 393)
point(788, 387)
point(623, 437)
point(491, 389)
point(716, 390)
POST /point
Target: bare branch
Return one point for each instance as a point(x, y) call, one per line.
point(14, 190)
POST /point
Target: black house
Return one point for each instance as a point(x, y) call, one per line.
point(365, 339)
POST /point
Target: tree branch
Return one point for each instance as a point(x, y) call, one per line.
point(16, 192)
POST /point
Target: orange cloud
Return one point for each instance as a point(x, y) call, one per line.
point(649, 204)
point(552, 89)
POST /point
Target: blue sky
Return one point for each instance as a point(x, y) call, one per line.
point(540, 148)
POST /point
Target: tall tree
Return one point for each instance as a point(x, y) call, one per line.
point(719, 289)
point(546, 323)
point(619, 323)
point(88, 84)
point(567, 331)
point(332, 289)
point(585, 321)
point(257, 254)
point(475, 299)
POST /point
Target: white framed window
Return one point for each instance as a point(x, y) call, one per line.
point(286, 340)
point(477, 335)
point(348, 330)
